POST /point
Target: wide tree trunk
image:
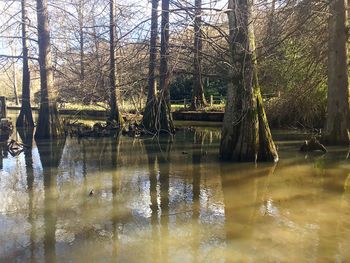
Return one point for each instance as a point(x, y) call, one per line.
point(164, 120)
point(25, 118)
point(150, 112)
point(49, 124)
point(337, 126)
point(115, 117)
point(246, 134)
point(198, 98)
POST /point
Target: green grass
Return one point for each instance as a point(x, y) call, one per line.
point(127, 107)
point(214, 108)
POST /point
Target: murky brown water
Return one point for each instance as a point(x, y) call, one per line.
point(172, 202)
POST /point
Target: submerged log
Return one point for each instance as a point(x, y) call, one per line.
point(312, 145)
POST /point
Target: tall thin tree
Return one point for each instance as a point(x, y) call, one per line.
point(198, 98)
point(114, 114)
point(25, 118)
point(149, 115)
point(165, 123)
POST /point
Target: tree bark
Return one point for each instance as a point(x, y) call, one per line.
point(165, 123)
point(150, 112)
point(25, 118)
point(338, 103)
point(246, 134)
point(158, 118)
point(14, 76)
point(81, 42)
point(49, 124)
point(198, 98)
point(114, 115)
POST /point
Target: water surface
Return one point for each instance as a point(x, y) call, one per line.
point(172, 201)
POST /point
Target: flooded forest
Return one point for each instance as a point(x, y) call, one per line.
point(174, 131)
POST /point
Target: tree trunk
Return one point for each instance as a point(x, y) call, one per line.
point(198, 98)
point(114, 115)
point(246, 134)
point(25, 118)
point(14, 76)
point(271, 22)
point(49, 124)
point(150, 112)
point(165, 121)
point(99, 69)
point(81, 43)
point(338, 107)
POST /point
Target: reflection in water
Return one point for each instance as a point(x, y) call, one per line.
point(199, 138)
point(115, 190)
point(26, 136)
point(2, 153)
point(246, 200)
point(151, 150)
point(159, 201)
point(50, 155)
point(163, 157)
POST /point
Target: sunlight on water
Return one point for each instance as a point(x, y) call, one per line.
point(157, 201)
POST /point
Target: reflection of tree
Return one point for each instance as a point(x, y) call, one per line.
point(115, 190)
point(244, 188)
point(163, 157)
point(50, 155)
point(159, 150)
point(27, 138)
point(332, 216)
point(199, 137)
point(343, 225)
point(152, 158)
point(2, 153)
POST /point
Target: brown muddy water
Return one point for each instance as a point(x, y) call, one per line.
point(163, 201)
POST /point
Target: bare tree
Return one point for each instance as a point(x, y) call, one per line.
point(114, 115)
point(149, 115)
point(165, 118)
point(49, 124)
point(25, 118)
point(198, 98)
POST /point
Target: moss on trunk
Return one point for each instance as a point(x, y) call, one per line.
point(246, 135)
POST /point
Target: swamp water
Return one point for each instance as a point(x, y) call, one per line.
point(156, 201)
